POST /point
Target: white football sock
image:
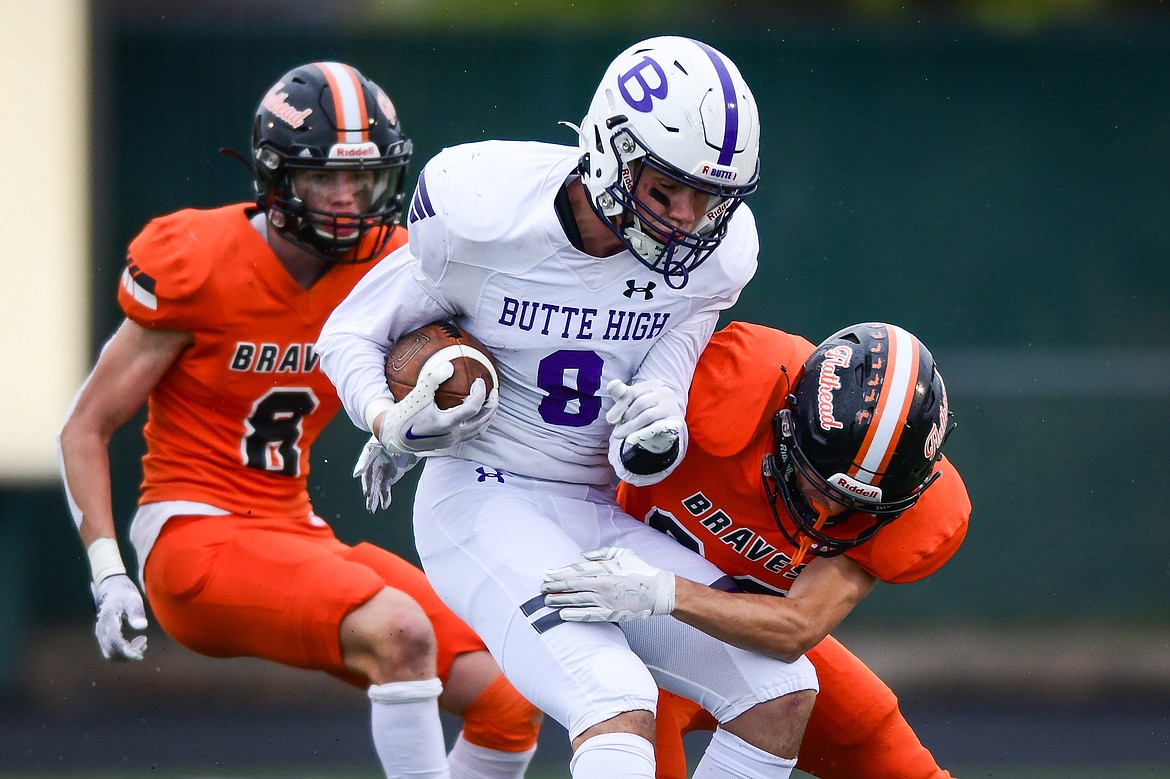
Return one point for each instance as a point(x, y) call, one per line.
point(471, 761)
point(408, 735)
point(613, 756)
point(728, 755)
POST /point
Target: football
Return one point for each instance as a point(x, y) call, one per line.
point(469, 357)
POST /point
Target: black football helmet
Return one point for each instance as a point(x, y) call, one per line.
point(864, 426)
point(327, 115)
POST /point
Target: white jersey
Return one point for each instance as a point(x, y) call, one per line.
point(488, 250)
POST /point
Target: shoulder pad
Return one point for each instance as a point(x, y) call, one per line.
point(920, 541)
point(480, 204)
point(752, 364)
point(169, 264)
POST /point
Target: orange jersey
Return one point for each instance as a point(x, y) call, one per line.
point(714, 502)
point(231, 423)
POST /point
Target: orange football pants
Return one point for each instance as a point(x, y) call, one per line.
point(274, 588)
point(856, 730)
point(278, 589)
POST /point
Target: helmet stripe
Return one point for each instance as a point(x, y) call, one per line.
point(349, 104)
point(730, 105)
point(897, 392)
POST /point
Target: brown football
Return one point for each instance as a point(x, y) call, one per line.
point(410, 352)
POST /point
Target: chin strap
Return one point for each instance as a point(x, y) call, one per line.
point(651, 251)
point(805, 541)
point(646, 247)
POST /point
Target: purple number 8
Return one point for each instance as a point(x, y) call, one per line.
point(553, 377)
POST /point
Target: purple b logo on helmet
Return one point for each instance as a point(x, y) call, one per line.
point(644, 101)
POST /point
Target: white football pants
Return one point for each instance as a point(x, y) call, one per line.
point(485, 538)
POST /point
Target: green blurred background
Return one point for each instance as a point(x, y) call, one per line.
point(991, 175)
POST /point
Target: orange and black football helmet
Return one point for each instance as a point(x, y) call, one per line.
point(862, 429)
point(328, 116)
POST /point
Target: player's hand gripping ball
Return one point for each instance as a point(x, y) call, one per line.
point(469, 358)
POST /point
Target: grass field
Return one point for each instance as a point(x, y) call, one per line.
point(187, 717)
point(1112, 744)
point(245, 745)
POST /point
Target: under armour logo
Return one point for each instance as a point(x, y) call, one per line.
point(485, 474)
point(647, 291)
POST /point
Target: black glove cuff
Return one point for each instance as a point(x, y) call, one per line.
point(643, 462)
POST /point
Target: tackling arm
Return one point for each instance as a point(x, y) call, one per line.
point(615, 585)
point(823, 594)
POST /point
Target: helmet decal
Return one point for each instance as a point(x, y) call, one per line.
point(349, 105)
point(900, 364)
point(828, 382)
point(386, 105)
point(276, 102)
point(645, 101)
point(939, 430)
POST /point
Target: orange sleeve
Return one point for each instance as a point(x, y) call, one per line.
point(758, 365)
point(920, 541)
point(167, 267)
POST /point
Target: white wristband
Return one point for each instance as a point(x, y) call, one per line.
point(376, 407)
point(104, 559)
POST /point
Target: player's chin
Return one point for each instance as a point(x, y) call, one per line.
point(341, 226)
point(667, 236)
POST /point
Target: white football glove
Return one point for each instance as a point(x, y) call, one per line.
point(416, 424)
point(614, 586)
point(649, 434)
point(117, 599)
point(380, 470)
point(646, 414)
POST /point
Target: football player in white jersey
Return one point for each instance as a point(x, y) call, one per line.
point(595, 276)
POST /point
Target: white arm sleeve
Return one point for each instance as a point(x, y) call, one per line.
point(672, 361)
point(673, 358)
point(388, 303)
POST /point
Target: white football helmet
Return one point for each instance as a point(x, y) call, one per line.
point(681, 108)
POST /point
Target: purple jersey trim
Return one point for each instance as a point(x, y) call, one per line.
point(420, 204)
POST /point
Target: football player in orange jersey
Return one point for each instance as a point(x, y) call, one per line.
point(820, 475)
point(223, 308)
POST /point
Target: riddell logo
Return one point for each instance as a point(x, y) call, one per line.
point(274, 101)
point(350, 151)
point(718, 211)
point(627, 178)
point(853, 487)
